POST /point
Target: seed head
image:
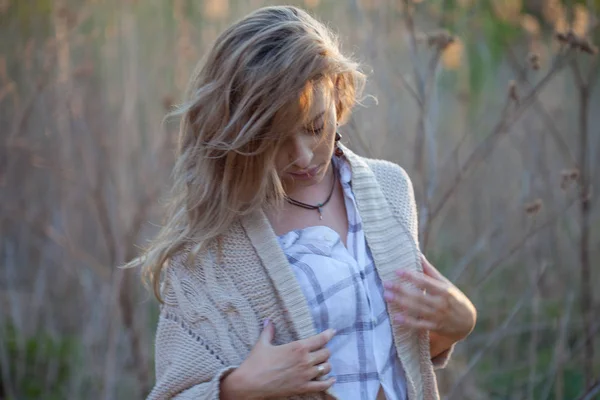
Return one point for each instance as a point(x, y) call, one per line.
point(534, 207)
point(534, 61)
point(568, 176)
point(440, 39)
point(577, 42)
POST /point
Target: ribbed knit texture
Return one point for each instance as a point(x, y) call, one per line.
point(215, 309)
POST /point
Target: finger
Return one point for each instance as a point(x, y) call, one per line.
point(318, 386)
point(424, 282)
point(412, 322)
point(399, 288)
point(430, 270)
point(399, 295)
point(266, 336)
point(428, 299)
point(416, 306)
point(321, 370)
point(319, 341)
point(320, 356)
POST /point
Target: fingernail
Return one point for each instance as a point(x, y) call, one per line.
point(389, 296)
point(399, 318)
point(402, 274)
point(266, 322)
point(387, 285)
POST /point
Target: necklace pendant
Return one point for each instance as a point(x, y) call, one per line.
point(320, 212)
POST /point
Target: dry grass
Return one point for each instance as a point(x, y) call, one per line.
point(505, 182)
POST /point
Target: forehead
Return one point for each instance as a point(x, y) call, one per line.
point(315, 99)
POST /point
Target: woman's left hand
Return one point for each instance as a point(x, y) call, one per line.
point(435, 304)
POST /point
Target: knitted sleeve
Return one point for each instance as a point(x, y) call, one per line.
point(195, 345)
point(186, 367)
point(399, 193)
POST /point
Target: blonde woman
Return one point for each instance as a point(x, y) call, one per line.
point(289, 266)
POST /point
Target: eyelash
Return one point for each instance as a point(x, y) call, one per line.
point(316, 131)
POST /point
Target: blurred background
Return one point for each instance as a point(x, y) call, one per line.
point(493, 108)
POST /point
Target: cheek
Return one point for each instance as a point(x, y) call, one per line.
point(281, 161)
point(327, 140)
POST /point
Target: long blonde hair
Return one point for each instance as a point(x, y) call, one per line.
point(243, 101)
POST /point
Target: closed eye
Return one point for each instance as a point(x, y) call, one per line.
point(316, 125)
point(315, 131)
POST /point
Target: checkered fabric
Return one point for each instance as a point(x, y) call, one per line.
point(344, 292)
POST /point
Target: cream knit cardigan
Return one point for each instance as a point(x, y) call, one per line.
point(214, 311)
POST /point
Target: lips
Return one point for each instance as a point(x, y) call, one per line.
point(306, 174)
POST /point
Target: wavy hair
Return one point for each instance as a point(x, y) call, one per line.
point(242, 102)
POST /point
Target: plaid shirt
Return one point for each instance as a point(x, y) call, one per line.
point(344, 292)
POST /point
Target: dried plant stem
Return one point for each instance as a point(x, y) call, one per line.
point(591, 392)
point(587, 301)
point(535, 311)
point(541, 111)
point(409, 23)
point(555, 374)
point(425, 88)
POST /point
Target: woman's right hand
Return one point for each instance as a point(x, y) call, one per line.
point(279, 371)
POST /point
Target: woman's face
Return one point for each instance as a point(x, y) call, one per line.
point(305, 158)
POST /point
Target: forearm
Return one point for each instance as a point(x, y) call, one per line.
point(234, 386)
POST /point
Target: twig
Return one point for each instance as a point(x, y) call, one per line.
point(547, 118)
point(520, 243)
point(587, 302)
point(419, 80)
point(592, 391)
point(502, 125)
point(577, 74)
point(412, 40)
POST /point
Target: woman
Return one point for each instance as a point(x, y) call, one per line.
point(289, 266)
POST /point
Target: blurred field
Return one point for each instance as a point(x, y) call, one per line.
point(506, 175)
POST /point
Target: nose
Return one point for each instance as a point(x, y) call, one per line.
point(301, 153)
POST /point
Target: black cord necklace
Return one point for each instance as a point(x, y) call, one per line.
point(319, 206)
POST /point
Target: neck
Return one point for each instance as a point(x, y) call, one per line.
point(312, 194)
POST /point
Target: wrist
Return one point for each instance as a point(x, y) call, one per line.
point(237, 385)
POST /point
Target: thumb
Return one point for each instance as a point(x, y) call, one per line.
point(266, 336)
